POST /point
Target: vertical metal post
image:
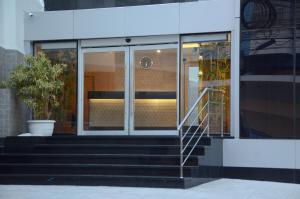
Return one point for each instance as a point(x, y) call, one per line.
point(222, 114)
point(181, 153)
point(208, 113)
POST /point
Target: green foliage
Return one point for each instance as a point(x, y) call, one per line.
point(39, 84)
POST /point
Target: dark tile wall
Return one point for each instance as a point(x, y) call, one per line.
point(51, 5)
point(269, 92)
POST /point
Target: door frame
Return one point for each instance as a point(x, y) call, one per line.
point(104, 45)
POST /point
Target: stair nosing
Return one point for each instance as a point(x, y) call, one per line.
point(91, 175)
point(94, 165)
point(95, 155)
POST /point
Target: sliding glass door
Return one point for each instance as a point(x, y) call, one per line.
point(105, 101)
point(129, 90)
point(154, 89)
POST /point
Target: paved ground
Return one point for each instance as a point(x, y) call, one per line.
point(220, 189)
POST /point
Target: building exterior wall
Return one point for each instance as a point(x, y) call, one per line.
point(13, 113)
point(258, 153)
point(185, 18)
point(278, 145)
point(191, 17)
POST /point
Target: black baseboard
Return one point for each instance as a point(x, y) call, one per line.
point(263, 174)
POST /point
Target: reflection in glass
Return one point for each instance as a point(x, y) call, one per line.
point(66, 114)
point(266, 84)
point(206, 64)
point(297, 79)
point(155, 89)
point(265, 14)
point(51, 5)
point(104, 75)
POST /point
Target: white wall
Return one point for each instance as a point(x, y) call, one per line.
point(207, 16)
point(261, 153)
point(12, 21)
point(161, 19)
point(1, 22)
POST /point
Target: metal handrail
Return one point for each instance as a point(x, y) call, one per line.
point(205, 130)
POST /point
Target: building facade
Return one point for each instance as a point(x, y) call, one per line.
point(13, 113)
point(138, 68)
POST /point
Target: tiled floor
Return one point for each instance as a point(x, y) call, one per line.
point(220, 189)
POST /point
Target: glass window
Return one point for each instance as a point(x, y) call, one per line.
point(269, 87)
point(265, 14)
point(51, 5)
point(297, 84)
point(207, 65)
point(66, 114)
point(266, 83)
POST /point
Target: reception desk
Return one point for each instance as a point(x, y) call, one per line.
point(152, 110)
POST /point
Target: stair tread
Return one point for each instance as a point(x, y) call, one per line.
point(111, 145)
point(95, 155)
point(96, 175)
point(94, 165)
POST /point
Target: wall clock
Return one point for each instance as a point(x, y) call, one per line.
point(146, 62)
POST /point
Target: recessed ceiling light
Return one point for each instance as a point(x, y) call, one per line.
point(191, 45)
point(158, 51)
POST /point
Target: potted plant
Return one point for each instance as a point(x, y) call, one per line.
point(39, 84)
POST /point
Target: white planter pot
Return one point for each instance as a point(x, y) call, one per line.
point(41, 127)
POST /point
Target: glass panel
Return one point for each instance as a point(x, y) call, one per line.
point(51, 5)
point(155, 89)
point(266, 84)
point(66, 114)
point(297, 97)
point(264, 14)
point(104, 74)
point(206, 64)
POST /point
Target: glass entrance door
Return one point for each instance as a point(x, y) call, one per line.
point(153, 90)
point(105, 91)
point(129, 90)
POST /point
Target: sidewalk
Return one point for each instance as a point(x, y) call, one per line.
point(220, 189)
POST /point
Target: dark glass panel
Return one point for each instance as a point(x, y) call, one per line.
point(266, 87)
point(297, 46)
point(66, 114)
point(265, 14)
point(267, 52)
point(297, 84)
point(266, 109)
point(60, 5)
point(297, 13)
point(88, 4)
point(298, 107)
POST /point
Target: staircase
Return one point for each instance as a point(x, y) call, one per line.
point(139, 161)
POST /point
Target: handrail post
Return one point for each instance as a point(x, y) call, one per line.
point(208, 111)
point(206, 130)
point(222, 115)
point(181, 154)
